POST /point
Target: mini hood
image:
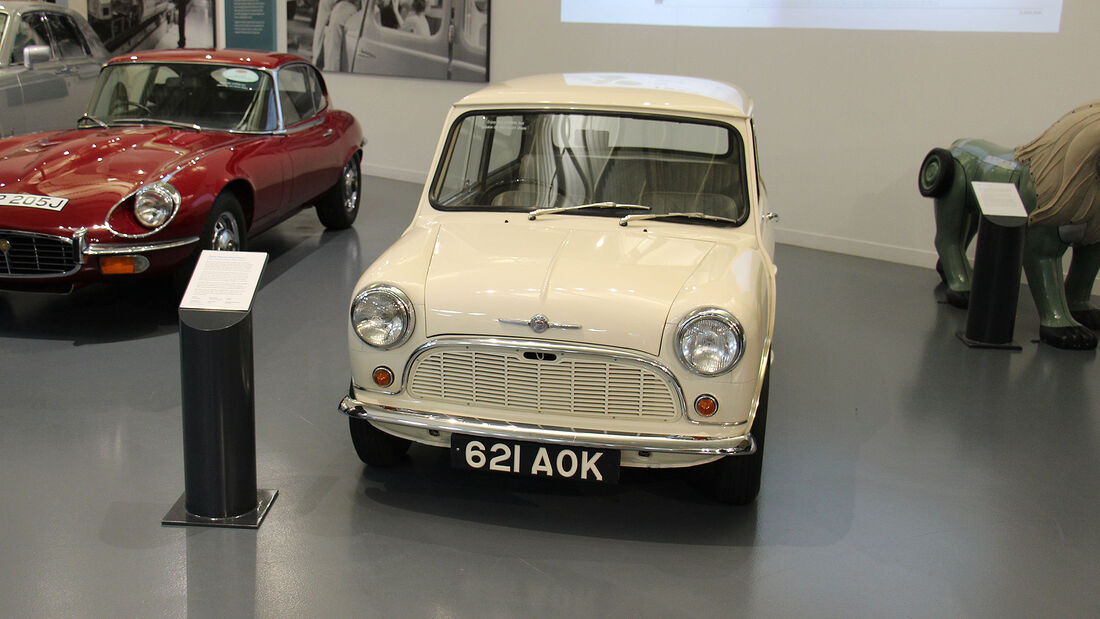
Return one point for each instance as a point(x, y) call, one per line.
point(616, 285)
point(95, 168)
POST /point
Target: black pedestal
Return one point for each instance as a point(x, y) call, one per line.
point(995, 287)
point(219, 423)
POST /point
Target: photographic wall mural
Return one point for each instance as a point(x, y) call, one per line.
point(435, 39)
point(132, 25)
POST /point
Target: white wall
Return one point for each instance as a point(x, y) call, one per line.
point(844, 117)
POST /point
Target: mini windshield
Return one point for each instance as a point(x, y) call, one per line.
point(209, 96)
point(537, 160)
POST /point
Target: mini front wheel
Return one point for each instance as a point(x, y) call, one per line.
point(736, 479)
point(375, 447)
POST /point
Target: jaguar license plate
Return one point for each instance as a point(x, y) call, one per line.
point(29, 201)
point(534, 459)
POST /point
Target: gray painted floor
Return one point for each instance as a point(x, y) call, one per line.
point(906, 475)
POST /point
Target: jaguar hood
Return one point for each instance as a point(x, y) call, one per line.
point(95, 168)
point(605, 285)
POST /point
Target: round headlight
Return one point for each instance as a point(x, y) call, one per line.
point(382, 316)
point(154, 204)
point(710, 341)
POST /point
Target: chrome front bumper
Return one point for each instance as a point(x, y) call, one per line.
point(115, 249)
point(742, 444)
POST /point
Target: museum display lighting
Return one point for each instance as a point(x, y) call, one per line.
point(710, 341)
point(382, 316)
point(154, 204)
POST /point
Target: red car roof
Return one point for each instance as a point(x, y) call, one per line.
point(247, 58)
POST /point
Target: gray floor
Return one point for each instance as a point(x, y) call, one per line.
point(906, 475)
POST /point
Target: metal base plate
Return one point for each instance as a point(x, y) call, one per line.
point(976, 344)
point(179, 516)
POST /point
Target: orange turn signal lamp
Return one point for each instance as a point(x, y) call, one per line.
point(383, 376)
point(123, 265)
point(706, 405)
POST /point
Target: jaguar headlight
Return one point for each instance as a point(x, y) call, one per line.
point(382, 316)
point(710, 341)
point(155, 203)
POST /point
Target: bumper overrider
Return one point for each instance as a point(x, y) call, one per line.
point(740, 444)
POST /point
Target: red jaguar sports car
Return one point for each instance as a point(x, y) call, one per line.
point(179, 151)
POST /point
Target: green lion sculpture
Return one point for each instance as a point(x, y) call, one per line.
point(1058, 178)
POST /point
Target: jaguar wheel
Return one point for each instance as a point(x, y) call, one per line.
point(224, 229)
point(339, 206)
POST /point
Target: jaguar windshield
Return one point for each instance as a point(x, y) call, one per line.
point(208, 96)
point(523, 161)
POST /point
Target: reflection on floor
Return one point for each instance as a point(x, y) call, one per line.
point(906, 475)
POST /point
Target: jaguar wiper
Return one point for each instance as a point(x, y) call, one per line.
point(564, 209)
point(155, 121)
point(703, 216)
point(93, 119)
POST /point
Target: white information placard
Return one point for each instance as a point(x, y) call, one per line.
point(1000, 202)
point(224, 280)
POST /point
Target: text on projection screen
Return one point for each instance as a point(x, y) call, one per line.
point(944, 15)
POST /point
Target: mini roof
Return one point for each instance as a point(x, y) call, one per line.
point(246, 58)
point(653, 93)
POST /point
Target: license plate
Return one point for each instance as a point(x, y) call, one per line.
point(29, 201)
point(534, 459)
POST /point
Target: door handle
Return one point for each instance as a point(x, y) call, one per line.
point(771, 217)
point(327, 133)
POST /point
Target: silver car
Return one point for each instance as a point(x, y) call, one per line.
point(49, 60)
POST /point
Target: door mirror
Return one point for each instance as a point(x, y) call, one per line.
point(35, 54)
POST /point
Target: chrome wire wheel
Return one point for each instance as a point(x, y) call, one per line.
point(351, 185)
point(227, 233)
point(339, 206)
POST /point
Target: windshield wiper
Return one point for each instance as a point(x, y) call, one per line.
point(703, 216)
point(564, 209)
point(155, 121)
point(93, 119)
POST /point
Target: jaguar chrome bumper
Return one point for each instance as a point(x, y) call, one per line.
point(115, 249)
point(742, 444)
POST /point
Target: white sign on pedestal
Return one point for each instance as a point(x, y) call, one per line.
point(224, 280)
point(1000, 202)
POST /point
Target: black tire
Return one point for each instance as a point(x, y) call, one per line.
point(339, 206)
point(375, 447)
point(736, 479)
point(936, 173)
point(225, 226)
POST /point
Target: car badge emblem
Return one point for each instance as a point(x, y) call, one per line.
point(5, 245)
point(538, 323)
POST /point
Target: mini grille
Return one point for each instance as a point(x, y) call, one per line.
point(523, 383)
point(35, 254)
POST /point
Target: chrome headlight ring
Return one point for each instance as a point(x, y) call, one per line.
point(710, 341)
point(152, 206)
point(382, 316)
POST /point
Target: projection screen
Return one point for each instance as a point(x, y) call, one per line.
point(942, 15)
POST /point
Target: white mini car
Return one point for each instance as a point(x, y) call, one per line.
point(588, 284)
